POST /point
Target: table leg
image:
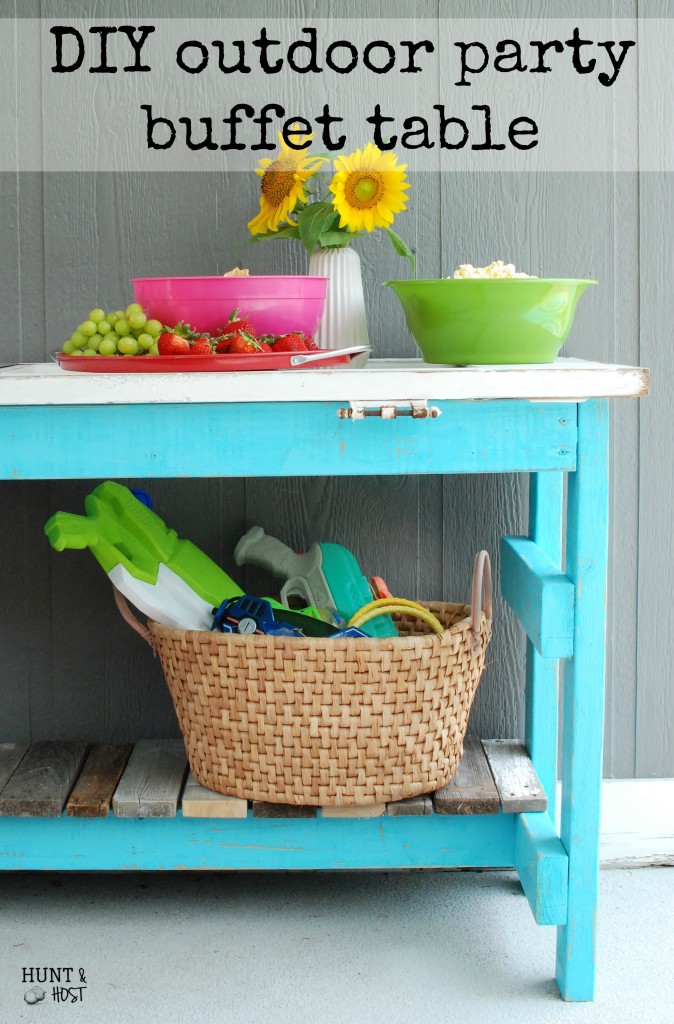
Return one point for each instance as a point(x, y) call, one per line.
point(546, 491)
point(586, 560)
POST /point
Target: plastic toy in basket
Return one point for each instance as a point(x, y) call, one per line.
point(328, 575)
point(250, 614)
point(166, 577)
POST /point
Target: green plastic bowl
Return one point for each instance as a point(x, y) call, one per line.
point(517, 320)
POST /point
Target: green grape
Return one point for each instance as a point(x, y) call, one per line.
point(145, 341)
point(88, 328)
point(128, 346)
point(90, 352)
point(133, 309)
point(67, 347)
point(78, 339)
point(94, 342)
point(153, 328)
point(97, 315)
point(108, 346)
point(103, 327)
point(137, 320)
point(76, 352)
point(112, 318)
point(153, 350)
point(122, 327)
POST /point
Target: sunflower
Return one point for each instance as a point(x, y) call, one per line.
point(369, 189)
point(282, 185)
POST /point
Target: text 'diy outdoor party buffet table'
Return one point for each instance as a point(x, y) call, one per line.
point(392, 417)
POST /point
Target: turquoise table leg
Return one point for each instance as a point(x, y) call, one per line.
point(586, 558)
point(546, 491)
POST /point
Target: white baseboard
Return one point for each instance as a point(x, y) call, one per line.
point(637, 822)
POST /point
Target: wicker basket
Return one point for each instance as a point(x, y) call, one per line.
point(327, 722)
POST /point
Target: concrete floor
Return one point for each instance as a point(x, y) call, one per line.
point(412, 948)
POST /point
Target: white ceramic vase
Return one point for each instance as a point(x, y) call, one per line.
point(344, 322)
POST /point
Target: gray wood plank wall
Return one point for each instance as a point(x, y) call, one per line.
point(70, 667)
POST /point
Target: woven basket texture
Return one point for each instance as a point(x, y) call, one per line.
point(325, 722)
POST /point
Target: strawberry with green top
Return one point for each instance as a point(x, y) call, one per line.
point(169, 344)
point(175, 341)
point(244, 342)
point(295, 341)
point(222, 343)
point(237, 322)
point(237, 326)
point(203, 346)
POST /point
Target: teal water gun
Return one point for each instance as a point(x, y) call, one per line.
point(327, 576)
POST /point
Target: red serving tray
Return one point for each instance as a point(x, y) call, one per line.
point(193, 364)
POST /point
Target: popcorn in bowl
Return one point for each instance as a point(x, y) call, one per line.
point(497, 269)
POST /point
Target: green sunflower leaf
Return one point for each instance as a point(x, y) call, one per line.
point(402, 248)
point(289, 231)
point(313, 220)
point(338, 239)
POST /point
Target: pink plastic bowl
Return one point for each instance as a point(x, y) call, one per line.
point(274, 305)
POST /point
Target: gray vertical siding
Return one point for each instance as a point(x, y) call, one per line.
point(71, 668)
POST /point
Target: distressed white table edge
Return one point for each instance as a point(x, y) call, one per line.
point(382, 380)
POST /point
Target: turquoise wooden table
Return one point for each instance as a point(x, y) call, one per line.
point(391, 417)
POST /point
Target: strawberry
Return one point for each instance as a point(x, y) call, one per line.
point(236, 327)
point(202, 347)
point(183, 330)
point(244, 342)
point(237, 323)
point(293, 342)
point(172, 345)
point(222, 343)
point(311, 345)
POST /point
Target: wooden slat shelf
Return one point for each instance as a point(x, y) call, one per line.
point(42, 781)
point(151, 780)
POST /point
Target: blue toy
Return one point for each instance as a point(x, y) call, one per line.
point(250, 615)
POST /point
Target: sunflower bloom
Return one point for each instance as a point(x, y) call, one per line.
point(369, 189)
point(282, 185)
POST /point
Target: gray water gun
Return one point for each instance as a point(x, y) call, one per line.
point(327, 576)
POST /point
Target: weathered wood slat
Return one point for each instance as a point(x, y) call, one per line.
point(472, 790)
point(413, 805)
point(262, 809)
point(199, 802)
point(10, 756)
point(41, 784)
point(369, 811)
point(515, 777)
point(152, 781)
point(92, 794)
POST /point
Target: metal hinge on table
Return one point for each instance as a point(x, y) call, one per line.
point(417, 408)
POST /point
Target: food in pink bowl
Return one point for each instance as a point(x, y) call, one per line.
point(274, 304)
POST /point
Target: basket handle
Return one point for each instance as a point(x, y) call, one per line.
point(481, 587)
point(131, 619)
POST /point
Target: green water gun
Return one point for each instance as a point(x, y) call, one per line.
point(170, 579)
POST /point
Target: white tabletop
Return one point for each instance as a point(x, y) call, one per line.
point(382, 380)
